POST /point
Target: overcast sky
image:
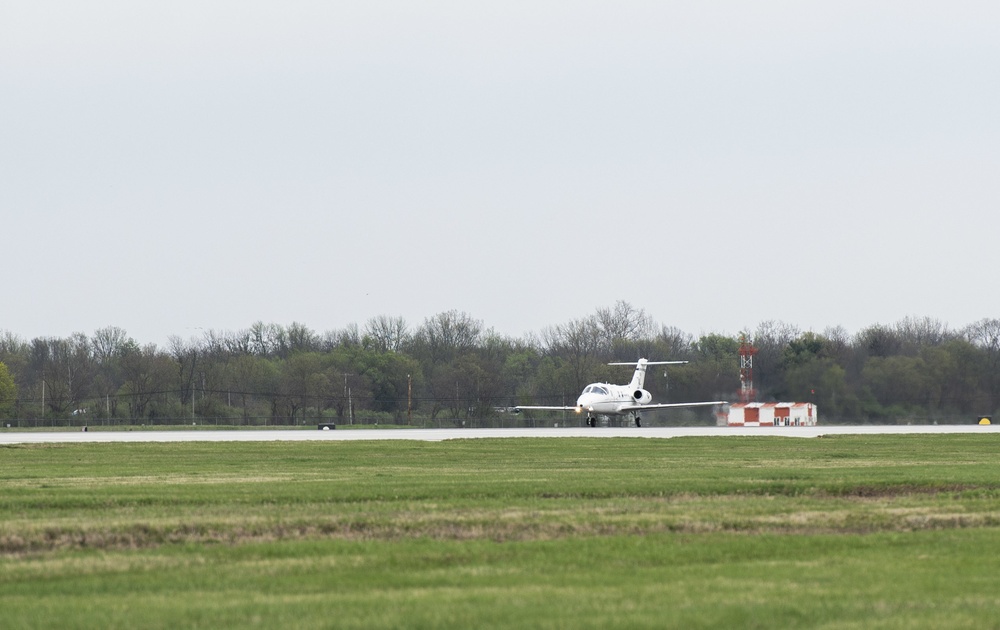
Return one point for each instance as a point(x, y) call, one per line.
point(173, 166)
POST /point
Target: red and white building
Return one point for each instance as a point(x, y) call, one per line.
point(781, 414)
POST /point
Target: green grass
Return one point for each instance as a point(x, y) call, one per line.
point(837, 532)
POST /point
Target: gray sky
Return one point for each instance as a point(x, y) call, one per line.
point(169, 166)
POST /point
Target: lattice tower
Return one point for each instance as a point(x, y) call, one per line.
point(747, 392)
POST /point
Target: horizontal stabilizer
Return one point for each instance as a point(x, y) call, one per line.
point(651, 363)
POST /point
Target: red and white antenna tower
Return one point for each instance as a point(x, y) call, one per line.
point(747, 393)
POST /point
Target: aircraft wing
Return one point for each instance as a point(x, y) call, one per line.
point(638, 407)
point(518, 408)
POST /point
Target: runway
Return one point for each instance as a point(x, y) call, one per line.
point(438, 435)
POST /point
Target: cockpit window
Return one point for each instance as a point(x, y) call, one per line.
point(600, 390)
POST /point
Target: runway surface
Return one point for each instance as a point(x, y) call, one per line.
point(8, 436)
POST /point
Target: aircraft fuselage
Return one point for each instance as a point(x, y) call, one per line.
point(607, 399)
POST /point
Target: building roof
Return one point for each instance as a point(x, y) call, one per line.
point(760, 405)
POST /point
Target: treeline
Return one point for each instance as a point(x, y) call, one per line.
point(452, 369)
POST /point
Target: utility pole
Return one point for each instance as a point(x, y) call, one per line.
point(347, 393)
point(409, 400)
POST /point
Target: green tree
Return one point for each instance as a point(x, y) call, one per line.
point(899, 385)
point(823, 382)
point(712, 374)
point(8, 391)
point(954, 370)
point(388, 374)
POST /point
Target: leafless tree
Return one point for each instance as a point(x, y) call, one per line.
point(11, 345)
point(622, 325)
point(347, 337)
point(187, 356)
point(268, 340)
point(386, 334)
point(985, 334)
point(66, 366)
point(672, 343)
point(301, 338)
point(921, 332)
point(108, 343)
point(448, 335)
point(146, 371)
point(579, 343)
point(245, 378)
point(237, 343)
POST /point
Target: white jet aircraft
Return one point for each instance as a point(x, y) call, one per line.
point(618, 400)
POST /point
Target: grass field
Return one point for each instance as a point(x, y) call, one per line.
point(834, 532)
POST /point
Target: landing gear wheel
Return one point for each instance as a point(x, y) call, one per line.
point(638, 422)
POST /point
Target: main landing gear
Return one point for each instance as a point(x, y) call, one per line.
point(592, 421)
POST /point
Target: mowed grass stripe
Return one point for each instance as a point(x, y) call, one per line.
point(135, 495)
point(918, 580)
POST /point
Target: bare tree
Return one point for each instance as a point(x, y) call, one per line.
point(579, 343)
point(386, 334)
point(623, 325)
point(64, 365)
point(246, 377)
point(301, 338)
point(303, 383)
point(187, 357)
point(921, 332)
point(672, 343)
point(985, 334)
point(624, 321)
point(11, 345)
point(268, 340)
point(108, 343)
point(347, 337)
point(146, 372)
point(448, 335)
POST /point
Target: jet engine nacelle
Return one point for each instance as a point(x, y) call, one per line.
point(642, 397)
